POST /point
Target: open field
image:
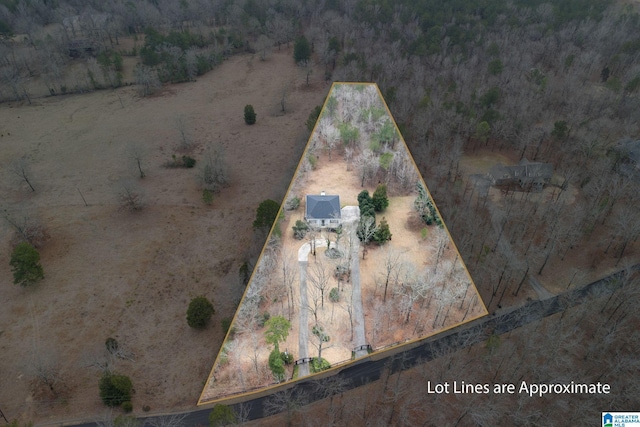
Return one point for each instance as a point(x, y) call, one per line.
point(130, 275)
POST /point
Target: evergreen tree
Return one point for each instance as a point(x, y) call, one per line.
point(302, 50)
point(25, 264)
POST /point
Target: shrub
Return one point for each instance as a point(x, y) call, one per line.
point(380, 200)
point(313, 161)
point(334, 295)
point(276, 365)
point(300, 229)
point(199, 312)
point(319, 365)
point(292, 204)
point(146, 408)
point(207, 196)
point(127, 406)
point(188, 162)
point(25, 264)
point(382, 234)
point(115, 389)
point(112, 345)
point(262, 319)
point(287, 358)
point(249, 114)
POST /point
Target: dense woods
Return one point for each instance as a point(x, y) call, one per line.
point(552, 81)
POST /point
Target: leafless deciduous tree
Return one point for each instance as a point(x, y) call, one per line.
point(21, 168)
point(214, 169)
point(176, 420)
point(137, 155)
point(45, 370)
point(290, 401)
point(147, 80)
point(131, 197)
point(26, 227)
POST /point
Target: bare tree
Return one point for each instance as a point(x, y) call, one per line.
point(366, 229)
point(131, 197)
point(44, 367)
point(137, 154)
point(290, 400)
point(147, 80)
point(319, 276)
point(26, 227)
point(20, 168)
point(392, 268)
point(184, 134)
point(214, 169)
point(175, 420)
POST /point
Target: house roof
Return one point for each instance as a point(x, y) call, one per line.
point(524, 171)
point(322, 206)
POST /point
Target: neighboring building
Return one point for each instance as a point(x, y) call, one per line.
point(323, 210)
point(527, 175)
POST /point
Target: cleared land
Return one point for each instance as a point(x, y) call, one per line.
point(130, 276)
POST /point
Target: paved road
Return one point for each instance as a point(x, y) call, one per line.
point(367, 369)
point(303, 322)
point(356, 299)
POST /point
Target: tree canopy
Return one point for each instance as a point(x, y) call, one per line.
point(302, 50)
point(277, 331)
point(265, 214)
point(25, 264)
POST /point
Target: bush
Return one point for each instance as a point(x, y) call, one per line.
point(207, 196)
point(188, 162)
point(276, 365)
point(301, 50)
point(319, 365)
point(115, 389)
point(249, 114)
point(292, 204)
point(313, 161)
point(382, 234)
point(380, 200)
point(127, 406)
point(112, 345)
point(199, 312)
point(300, 229)
point(334, 295)
point(287, 358)
point(262, 319)
point(25, 264)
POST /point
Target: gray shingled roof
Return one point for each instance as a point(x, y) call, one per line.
point(322, 207)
